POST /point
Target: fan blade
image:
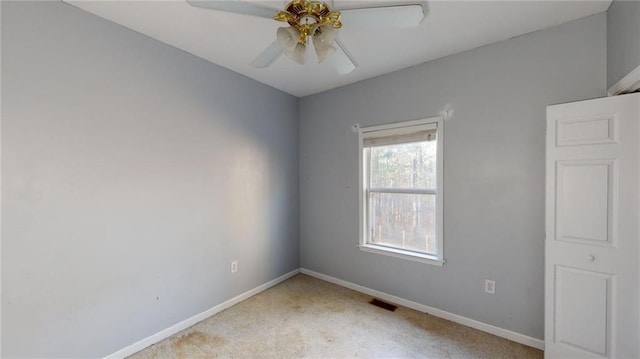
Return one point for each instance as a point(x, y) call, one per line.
point(385, 16)
point(341, 60)
point(235, 6)
point(268, 56)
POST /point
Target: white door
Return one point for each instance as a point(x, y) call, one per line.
point(592, 271)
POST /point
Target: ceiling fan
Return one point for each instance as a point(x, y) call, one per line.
point(316, 21)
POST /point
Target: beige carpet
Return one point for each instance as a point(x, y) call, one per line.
point(308, 317)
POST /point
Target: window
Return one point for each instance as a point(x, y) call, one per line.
point(401, 194)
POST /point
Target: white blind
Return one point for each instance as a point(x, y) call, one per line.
point(399, 135)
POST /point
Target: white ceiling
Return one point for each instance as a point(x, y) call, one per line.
point(233, 40)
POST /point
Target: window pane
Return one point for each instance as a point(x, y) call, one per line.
point(406, 221)
point(409, 165)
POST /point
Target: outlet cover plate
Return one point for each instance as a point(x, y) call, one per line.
point(490, 286)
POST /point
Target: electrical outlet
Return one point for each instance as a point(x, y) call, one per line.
point(490, 286)
point(234, 266)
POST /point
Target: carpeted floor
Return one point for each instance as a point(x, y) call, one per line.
point(308, 317)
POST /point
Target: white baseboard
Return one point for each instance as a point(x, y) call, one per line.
point(492, 329)
point(629, 83)
point(176, 328)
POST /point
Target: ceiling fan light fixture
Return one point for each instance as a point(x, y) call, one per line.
point(288, 38)
point(309, 19)
point(297, 54)
point(323, 37)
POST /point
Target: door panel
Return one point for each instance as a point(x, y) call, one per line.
point(583, 304)
point(584, 201)
point(589, 130)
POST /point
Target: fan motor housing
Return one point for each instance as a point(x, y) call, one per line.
point(298, 12)
point(302, 8)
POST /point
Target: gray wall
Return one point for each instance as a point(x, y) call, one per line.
point(623, 39)
point(493, 167)
point(133, 173)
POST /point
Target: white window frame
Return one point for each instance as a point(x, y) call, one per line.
point(402, 128)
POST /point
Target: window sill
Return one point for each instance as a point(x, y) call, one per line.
point(399, 253)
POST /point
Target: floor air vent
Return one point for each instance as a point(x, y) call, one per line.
point(383, 305)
